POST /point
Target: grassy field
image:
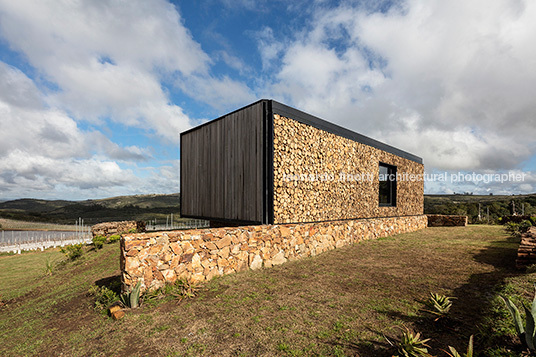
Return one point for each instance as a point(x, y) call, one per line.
point(342, 302)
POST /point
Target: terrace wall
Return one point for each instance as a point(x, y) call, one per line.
point(442, 220)
point(201, 254)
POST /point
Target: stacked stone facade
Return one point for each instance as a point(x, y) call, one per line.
point(201, 254)
point(320, 176)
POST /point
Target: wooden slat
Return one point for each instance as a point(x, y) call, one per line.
point(222, 167)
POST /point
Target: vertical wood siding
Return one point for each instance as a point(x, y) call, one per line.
point(221, 167)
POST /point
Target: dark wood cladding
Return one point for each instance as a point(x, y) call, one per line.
point(222, 167)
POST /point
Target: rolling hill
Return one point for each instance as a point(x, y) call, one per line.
point(137, 207)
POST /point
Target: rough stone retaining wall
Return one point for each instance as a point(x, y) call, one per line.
point(109, 228)
point(320, 176)
point(201, 254)
point(441, 220)
point(526, 253)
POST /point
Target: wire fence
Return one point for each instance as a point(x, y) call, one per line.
point(17, 241)
point(20, 236)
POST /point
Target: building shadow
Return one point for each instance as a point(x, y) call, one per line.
point(474, 300)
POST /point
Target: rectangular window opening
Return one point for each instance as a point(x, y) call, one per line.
point(387, 191)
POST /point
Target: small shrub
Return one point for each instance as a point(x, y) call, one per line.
point(517, 229)
point(524, 226)
point(49, 267)
point(133, 230)
point(132, 299)
point(104, 297)
point(114, 238)
point(98, 241)
point(73, 252)
point(184, 289)
point(179, 290)
point(512, 228)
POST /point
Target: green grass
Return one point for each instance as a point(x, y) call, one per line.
point(339, 303)
point(28, 267)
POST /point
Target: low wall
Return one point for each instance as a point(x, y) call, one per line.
point(201, 254)
point(441, 220)
point(107, 229)
point(526, 253)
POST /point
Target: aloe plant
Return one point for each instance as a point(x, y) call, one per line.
point(132, 299)
point(454, 353)
point(440, 304)
point(411, 345)
point(526, 333)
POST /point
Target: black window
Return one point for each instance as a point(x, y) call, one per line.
point(387, 185)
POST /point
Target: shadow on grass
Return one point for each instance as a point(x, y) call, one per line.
point(367, 347)
point(474, 300)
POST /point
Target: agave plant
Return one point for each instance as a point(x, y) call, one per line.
point(527, 333)
point(440, 304)
point(454, 353)
point(132, 299)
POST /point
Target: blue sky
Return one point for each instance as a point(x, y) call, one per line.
point(93, 94)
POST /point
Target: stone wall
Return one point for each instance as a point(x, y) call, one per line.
point(107, 229)
point(320, 176)
point(526, 253)
point(201, 254)
point(441, 220)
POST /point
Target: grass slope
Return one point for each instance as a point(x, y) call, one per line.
point(339, 303)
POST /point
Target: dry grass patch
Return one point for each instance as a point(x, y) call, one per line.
point(341, 302)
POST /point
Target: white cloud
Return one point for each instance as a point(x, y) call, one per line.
point(221, 93)
point(109, 59)
point(43, 148)
point(480, 182)
point(97, 62)
point(268, 47)
point(452, 82)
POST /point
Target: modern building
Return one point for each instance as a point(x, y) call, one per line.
point(268, 163)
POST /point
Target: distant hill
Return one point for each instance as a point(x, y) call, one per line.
point(497, 205)
point(138, 207)
point(33, 205)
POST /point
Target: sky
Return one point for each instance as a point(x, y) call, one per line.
point(94, 94)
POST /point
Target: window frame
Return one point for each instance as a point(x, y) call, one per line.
point(391, 185)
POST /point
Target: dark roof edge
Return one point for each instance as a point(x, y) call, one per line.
point(305, 118)
point(302, 117)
